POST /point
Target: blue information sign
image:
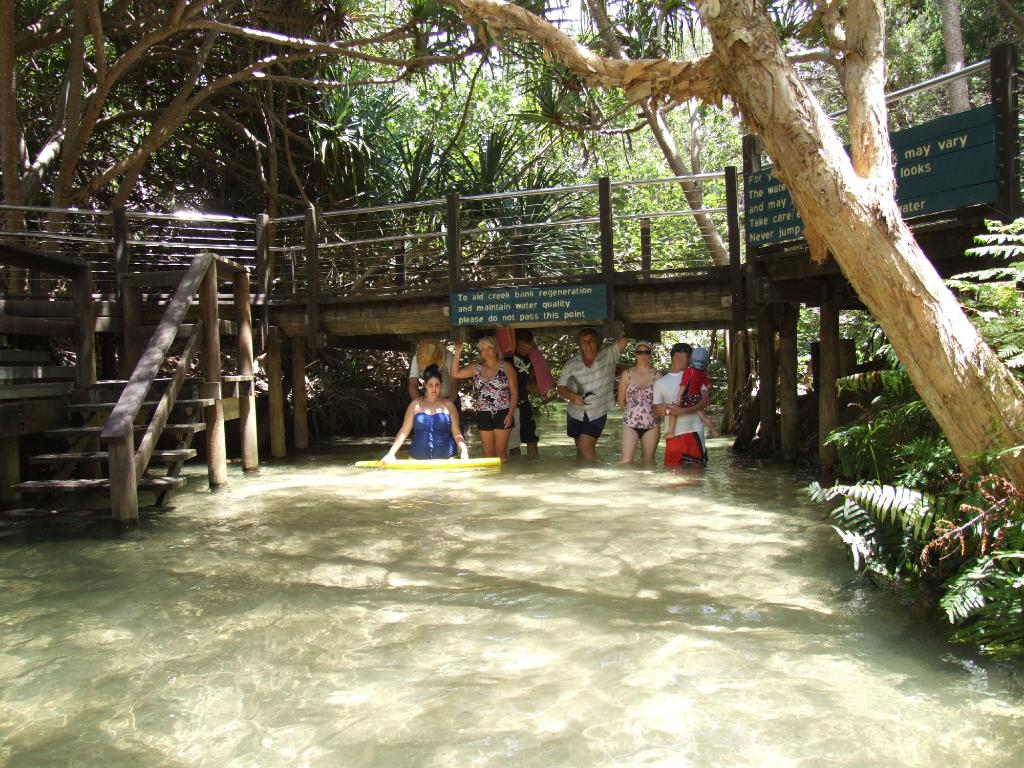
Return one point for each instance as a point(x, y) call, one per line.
point(939, 165)
point(536, 305)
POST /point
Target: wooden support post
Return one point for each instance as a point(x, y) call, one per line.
point(1006, 101)
point(606, 221)
point(122, 252)
point(85, 364)
point(788, 380)
point(766, 374)
point(216, 449)
point(400, 264)
point(738, 295)
point(645, 247)
point(131, 312)
point(246, 389)
point(122, 267)
point(299, 416)
point(453, 247)
point(729, 423)
point(519, 254)
point(312, 242)
point(10, 470)
point(262, 279)
point(828, 372)
point(86, 320)
point(124, 490)
point(275, 395)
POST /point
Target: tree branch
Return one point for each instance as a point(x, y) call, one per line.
point(1015, 16)
point(640, 79)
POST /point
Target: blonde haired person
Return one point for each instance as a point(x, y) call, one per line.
point(636, 399)
point(497, 392)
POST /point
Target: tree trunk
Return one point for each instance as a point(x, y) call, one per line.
point(73, 87)
point(10, 137)
point(973, 396)
point(9, 134)
point(959, 98)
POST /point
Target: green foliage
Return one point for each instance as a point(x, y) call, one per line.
point(994, 296)
point(988, 600)
point(897, 440)
point(885, 526)
point(971, 539)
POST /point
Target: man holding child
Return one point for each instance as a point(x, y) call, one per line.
point(679, 396)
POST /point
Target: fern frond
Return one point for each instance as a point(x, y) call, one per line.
point(911, 510)
point(989, 599)
point(856, 383)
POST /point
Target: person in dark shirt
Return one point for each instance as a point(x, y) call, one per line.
point(527, 383)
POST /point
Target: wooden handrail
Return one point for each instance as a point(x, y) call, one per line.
point(122, 418)
point(147, 443)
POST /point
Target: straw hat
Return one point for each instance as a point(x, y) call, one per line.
point(429, 352)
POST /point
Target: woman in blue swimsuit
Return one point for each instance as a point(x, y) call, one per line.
point(433, 423)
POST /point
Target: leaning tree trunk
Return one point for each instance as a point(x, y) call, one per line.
point(974, 397)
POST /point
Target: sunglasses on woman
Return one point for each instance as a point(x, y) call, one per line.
point(643, 351)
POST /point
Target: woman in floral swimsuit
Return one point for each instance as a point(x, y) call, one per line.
point(497, 392)
point(636, 398)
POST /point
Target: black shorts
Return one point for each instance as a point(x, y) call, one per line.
point(488, 421)
point(527, 424)
point(593, 427)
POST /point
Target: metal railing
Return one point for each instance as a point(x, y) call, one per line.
point(115, 242)
point(518, 237)
point(507, 238)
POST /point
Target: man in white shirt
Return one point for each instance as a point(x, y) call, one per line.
point(686, 443)
point(587, 384)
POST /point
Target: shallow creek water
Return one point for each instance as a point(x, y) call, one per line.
point(549, 614)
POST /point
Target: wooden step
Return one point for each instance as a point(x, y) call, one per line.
point(70, 515)
point(73, 432)
point(11, 373)
point(162, 278)
point(25, 356)
point(162, 457)
point(144, 332)
point(230, 378)
point(37, 390)
point(106, 384)
point(180, 403)
point(97, 484)
point(37, 326)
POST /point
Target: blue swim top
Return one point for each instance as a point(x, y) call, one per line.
point(432, 436)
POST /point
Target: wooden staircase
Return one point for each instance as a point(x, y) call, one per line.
point(65, 495)
point(145, 424)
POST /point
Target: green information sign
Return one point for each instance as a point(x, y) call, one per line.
point(538, 305)
point(939, 165)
